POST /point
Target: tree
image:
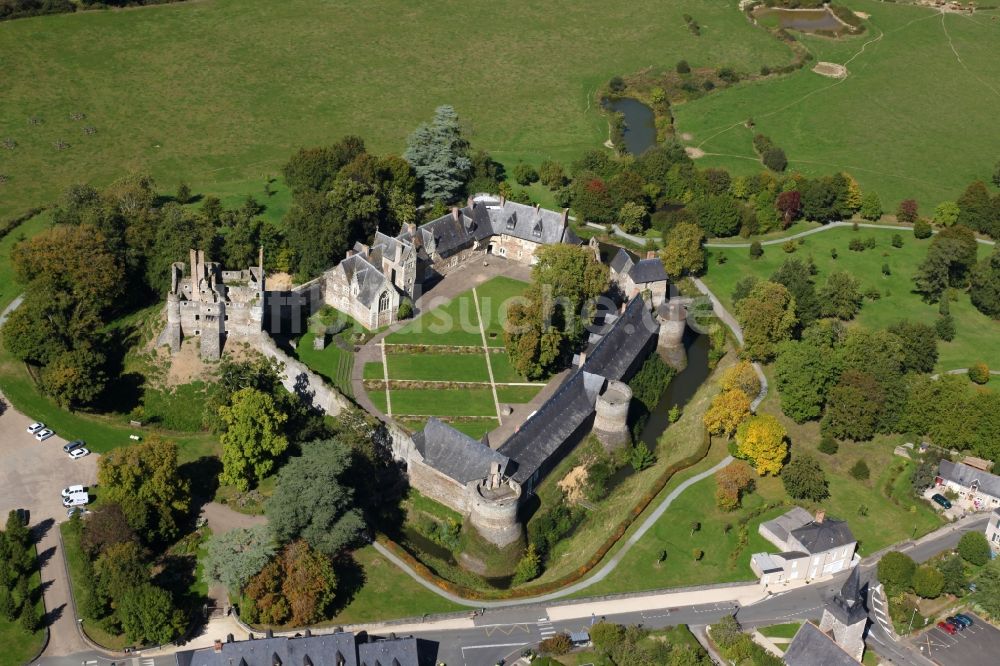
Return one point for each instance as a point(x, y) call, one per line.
point(950, 258)
point(551, 175)
point(313, 502)
point(236, 556)
point(309, 583)
point(953, 573)
point(641, 457)
point(860, 470)
point(683, 253)
point(920, 352)
point(525, 174)
point(183, 195)
point(871, 206)
point(840, 296)
point(733, 482)
point(805, 371)
point(767, 315)
point(756, 250)
point(147, 615)
point(606, 635)
point(719, 215)
point(985, 289)
point(895, 570)
point(974, 548)
point(803, 478)
point(314, 169)
point(144, 480)
point(774, 159)
point(75, 376)
point(528, 567)
point(106, 526)
point(439, 155)
point(741, 376)
point(796, 276)
point(907, 212)
point(557, 645)
point(988, 588)
point(854, 405)
point(727, 411)
point(762, 440)
point(922, 229)
point(946, 214)
point(633, 218)
point(928, 582)
point(253, 437)
point(976, 210)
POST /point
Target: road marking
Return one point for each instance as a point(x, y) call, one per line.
point(506, 629)
point(497, 645)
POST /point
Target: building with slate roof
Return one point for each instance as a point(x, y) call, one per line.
point(810, 548)
point(370, 282)
point(337, 649)
point(635, 277)
point(812, 647)
point(845, 617)
point(975, 487)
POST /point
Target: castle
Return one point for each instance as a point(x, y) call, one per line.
point(213, 304)
point(371, 281)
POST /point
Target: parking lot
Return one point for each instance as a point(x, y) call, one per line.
point(977, 645)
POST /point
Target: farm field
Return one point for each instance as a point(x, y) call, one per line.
point(219, 93)
point(977, 338)
point(423, 355)
point(870, 123)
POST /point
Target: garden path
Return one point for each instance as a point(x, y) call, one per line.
point(831, 225)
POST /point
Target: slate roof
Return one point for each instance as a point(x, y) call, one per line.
point(446, 234)
point(455, 454)
point(538, 225)
point(648, 270)
point(319, 650)
point(781, 526)
point(848, 605)
point(391, 652)
point(558, 418)
point(811, 647)
point(621, 344)
point(819, 537)
point(622, 262)
point(964, 475)
point(370, 279)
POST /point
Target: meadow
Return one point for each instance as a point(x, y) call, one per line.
point(976, 334)
point(219, 93)
point(910, 119)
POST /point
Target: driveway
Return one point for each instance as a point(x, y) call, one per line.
point(31, 476)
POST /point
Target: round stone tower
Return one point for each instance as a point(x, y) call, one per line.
point(672, 317)
point(611, 415)
point(173, 331)
point(493, 510)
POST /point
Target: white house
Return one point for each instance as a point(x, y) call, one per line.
point(993, 530)
point(811, 548)
point(975, 487)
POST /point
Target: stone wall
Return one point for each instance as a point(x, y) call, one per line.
point(444, 265)
point(436, 485)
point(299, 379)
point(513, 248)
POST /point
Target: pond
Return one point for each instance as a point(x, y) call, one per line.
point(640, 123)
point(803, 20)
point(682, 387)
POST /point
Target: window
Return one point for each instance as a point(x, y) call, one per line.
point(383, 301)
point(511, 222)
point(197, 317)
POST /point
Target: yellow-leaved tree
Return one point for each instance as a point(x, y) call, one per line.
point(742, 376)
point(726, 412)
point(763, 441)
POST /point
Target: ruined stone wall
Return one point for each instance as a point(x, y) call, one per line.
point(299, 379)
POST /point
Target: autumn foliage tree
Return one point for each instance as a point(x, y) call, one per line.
point(742, 376)
point(726, 412)
point(296, 588)
point(731, 483)
point(789, 204)
point(763, 441)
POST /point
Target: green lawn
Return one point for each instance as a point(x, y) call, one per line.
point(9, 288)
point(455, 323)
point(977, 338)
point(503, 371)
point(332, 363)
point(20, 646)
point(340, 66)
point(373, 371)
point(443, 402)
point(786, 630)
point(495, 297)
point(517, 394)
point(869, 123)
point(439, 367)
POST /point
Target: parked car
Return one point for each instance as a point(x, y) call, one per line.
point(78, 499)
point(78, 453)
point(942, 500)
point(44, 434)
point(35, 427)
point(955, 622)
point(944, 626)
point(964, 619)
point(74, 490)
point(75, 444)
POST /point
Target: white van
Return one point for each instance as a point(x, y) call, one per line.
point(76, 499)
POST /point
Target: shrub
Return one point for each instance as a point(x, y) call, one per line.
point(405, 310)
point(727, 75)
point(774, 159)
point(697, 554)
point(789, 246)
point(945, 328)
point(183, 195)
point(870, 242)
point(907, 211)
point(683, 67)
point(828, 445)
point(856, 245)
point(707, 84)
point(860, 470)
point(765, 70)
point(557, 645)
point(756, 250)
point(886, 270)
point(616, 84)
point(525, 174)
point(833, 253)
point(921, 229)
point(974, 548)
point(897, 240)
point(979, 373)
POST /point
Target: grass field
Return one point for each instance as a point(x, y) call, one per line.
point(219, 93)
point(332, 363)
point(977, 338)
point(9, 288)
point(870, 123)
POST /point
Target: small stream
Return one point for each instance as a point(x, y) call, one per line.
point(640, 123)
point(682, 387)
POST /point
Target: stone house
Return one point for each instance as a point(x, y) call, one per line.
point(979, 489)
point(365, 284)
point(993, 530)
point(635, 277)
point(213, 304)
point(811, 548)
point(813, 647)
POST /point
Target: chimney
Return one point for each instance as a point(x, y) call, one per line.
point(820, 516)
point(503, 200)
point(651, 254)
point(217, 647)
point(260, 259)
point(229, 638)
point(456, 214)
point(411, 228)
point(350, 253)
point(565, 217)
point(470, 202)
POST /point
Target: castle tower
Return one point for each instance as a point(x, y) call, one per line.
point(672, 317)
point(845, 617)
point(493, 508)
point(611, 415)
point(173, 330)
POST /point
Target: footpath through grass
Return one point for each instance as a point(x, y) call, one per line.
point(867, 123)
point(977, 336)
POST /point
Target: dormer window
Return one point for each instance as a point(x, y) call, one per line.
point(537, 231)
point(511, 222)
